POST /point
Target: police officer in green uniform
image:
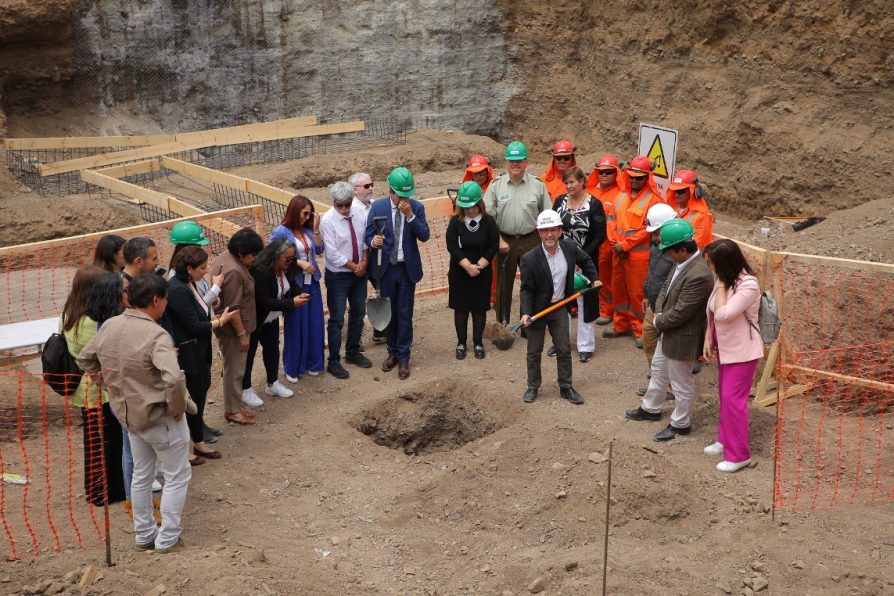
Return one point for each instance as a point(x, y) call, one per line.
point(515, 199)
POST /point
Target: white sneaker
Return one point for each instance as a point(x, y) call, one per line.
point(250, 398)
point(291, 379)
point(315, 373)
point(156, 486)
point(728, 466)
point(279, 390)
point(714, 449)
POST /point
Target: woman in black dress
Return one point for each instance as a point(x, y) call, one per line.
point(472, 240)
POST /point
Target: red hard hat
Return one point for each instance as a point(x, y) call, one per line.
point(641, 164)
point(477, 163)
point(563, 147)
point(683, 179)
point(607, 161)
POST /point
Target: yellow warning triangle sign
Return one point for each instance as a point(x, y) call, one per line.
point(656, 155)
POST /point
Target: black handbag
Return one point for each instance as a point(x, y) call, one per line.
point(60, 369)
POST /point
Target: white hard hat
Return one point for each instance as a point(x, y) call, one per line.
point(548, 219)
point(658, 215)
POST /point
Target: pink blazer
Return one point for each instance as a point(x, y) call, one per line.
point(737, 341)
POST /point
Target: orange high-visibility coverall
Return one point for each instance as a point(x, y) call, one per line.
point(698, 214)
point(608, 198)
point(555, 186)
point(629, 273)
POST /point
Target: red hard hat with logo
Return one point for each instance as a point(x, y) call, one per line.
point(683, 179)
point(563, 147)
point(477, 163)
point(639, 164)
point(607, 161)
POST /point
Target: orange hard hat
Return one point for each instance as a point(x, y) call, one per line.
point(639, 164)
point(607, 161)
point(478, 163)
point(683, 179)
point(563, 147)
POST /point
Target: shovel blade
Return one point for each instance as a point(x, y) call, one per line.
point(513, 329)
point(378, 311)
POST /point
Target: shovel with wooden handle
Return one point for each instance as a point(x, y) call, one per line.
point(516, 326)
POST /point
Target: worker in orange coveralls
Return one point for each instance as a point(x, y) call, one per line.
point(630, 261)
point(480, 171)
point(687, 196)
point(563, 160)
point(603, 184)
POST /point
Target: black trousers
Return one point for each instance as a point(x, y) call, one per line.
point(102, 449)
point(268, 336)
point(557, 322)
point(198, 385)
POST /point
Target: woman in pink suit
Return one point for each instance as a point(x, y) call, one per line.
point(733, 338)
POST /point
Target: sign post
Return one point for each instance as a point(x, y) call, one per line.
point(660, 145)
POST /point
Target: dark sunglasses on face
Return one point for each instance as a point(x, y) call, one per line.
point(366, 186)
point(563, 157)
point(682, 191)
point(341, 205)
point(637, 177)
point(606, 172)
point(305, 213)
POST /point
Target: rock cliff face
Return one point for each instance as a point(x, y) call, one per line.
point(200, 63)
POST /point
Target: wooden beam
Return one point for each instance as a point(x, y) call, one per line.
point(438, 207)
point(131, 169)
point(204, 219)
point(198, 142)
point(850, 380)
point(867, 266)
point(277, 195)
point(142, 140)
point(145, 195)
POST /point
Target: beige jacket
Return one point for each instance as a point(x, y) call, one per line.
point(139, 369)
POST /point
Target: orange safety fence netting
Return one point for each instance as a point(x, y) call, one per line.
point(53, 465)
point(834, 430)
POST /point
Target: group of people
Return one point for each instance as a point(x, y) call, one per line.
point(149, 331)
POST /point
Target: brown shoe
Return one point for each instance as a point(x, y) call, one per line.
point(403, 371)
point(389, 364)
point(238, 418)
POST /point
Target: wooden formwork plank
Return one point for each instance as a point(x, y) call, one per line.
point(198, 142)
point(143, 140)
point(131, 169)
point(163, 201)
point(207, 219)
point(438, 207)
point(850, 380)
point(272, 193)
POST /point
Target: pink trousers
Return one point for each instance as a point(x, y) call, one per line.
point(734, 384)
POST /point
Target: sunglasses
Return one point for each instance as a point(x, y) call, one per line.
point(682, 191)
point(340, 205)
point(606, 172)
point(563, 157)
point(366, 186)
point(634, 177)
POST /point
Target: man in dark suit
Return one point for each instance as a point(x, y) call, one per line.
point(396, 236)
point(680, 321)
point(547, 276)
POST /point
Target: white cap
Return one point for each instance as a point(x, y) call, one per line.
point(548, 219)
point(658, 215)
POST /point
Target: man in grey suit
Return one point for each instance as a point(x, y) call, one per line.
point(681, 322)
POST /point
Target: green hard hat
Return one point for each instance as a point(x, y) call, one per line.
point(674, 232)
point(469, 194)
point(401, 182)
point(516, 151)
point(188, 232)
point(580, 282)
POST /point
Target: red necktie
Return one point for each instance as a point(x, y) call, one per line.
point(355, 254)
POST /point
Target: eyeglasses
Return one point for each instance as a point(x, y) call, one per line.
point(341, 205)
point(366, 186)
point(606, 172)
point(682, 191)
point(563, 157)
point(636, 177)
point(305, 213)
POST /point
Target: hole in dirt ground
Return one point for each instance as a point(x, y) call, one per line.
point(438, 417)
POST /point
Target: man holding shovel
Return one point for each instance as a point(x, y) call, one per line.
point(547, 277)
point(401, 267)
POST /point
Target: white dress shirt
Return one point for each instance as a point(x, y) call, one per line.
point(337, 239)
point(403, 227)
point(558, 268)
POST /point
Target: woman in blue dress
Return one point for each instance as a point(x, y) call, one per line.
point(304, 332)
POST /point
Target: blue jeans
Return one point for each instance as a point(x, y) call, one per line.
point(342, 290)
point(398, 287)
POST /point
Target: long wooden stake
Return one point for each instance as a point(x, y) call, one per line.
point(608, 507)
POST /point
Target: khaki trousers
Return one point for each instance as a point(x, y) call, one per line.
point(650, 336)
point(517, 247)
point(233, 371)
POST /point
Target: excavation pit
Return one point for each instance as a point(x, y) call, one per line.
point(438, 417)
